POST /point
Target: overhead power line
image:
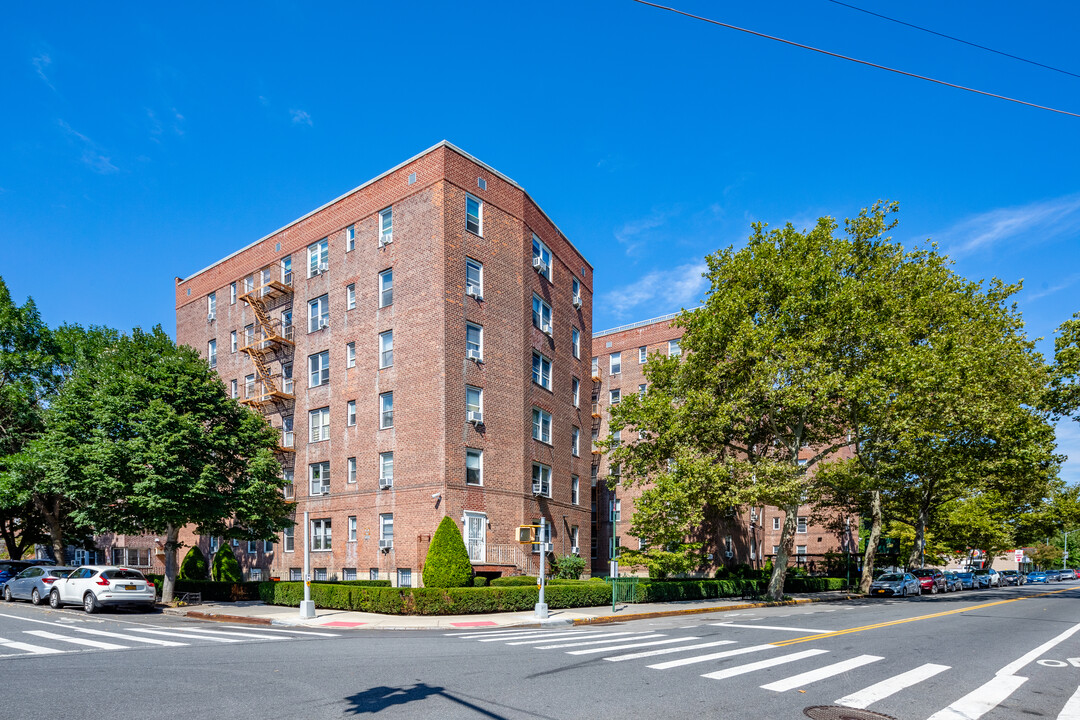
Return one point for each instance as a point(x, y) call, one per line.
point(856, 60)
point(959, 40)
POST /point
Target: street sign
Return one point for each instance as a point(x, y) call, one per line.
point(1065, 555)
point(1019, 556)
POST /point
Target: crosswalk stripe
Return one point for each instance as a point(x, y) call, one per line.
point(186, 635)
point(1071, 711)
point(982, 700)
point(667, 651)
point(472, 634)
point(627, 647)
point(812, 676)
point(769, 627)
point(230, 634)
point(135, 638)
point(592, 635)
point(33, 649)
point(75, 641)
point(879, 691)
point(290, 632)
point(762, 664)
point(647, 636)
point(710, 656)
point(539, 633)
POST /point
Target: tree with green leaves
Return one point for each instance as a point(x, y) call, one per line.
point(194, 566)
point(447, 563)
point(146, 440)
point(1063, 399)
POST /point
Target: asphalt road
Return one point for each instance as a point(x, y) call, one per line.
point(996, 654)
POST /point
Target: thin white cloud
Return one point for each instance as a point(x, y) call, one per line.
point(1067, 283)
point(659, 291)
point(41, 63)
point(91, 154)
point(300, 117)
point(635, 234)
point(1042, 220)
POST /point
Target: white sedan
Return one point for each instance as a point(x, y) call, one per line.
point(95, 586)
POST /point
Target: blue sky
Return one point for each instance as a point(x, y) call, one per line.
point(145, 142)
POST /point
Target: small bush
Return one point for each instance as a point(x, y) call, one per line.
point(514, 581)
point(210, 590)
point(479, 581)
point(569, 567)
point(812, 584)
point(225, 567)
point(194, 566)
point(447, 564)
point(360, 583)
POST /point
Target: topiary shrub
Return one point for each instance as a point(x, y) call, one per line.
point(479, 581)
point(447, 564)
point(194, 566)
point(569, 567)
point(225, 567)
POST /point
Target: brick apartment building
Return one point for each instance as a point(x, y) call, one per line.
point(422, 342)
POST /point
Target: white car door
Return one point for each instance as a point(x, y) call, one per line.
point(73, 585)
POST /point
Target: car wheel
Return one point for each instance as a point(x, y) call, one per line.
point(54, 600)
point(7, 593)
point(903, 591)
point(933, 589)
point(35, 597)
point(90, 603)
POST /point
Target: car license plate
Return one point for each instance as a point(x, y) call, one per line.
point(129, 587)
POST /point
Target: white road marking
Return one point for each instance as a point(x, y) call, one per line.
point(1038, 652)
point(981, 700)
point(554, 636)
point(711, 656)
point(223, 632)
point(75, 641)
point(521, 635)
point(496, 633)
point(102, 633)
point(605, 641)
point(890, 686)
point(592, 639)
point(667, 651)
point(33, 649)
point(291, 632)
point(627, 647)
point(187, 636)
point(772, 627)
point(762, 664)
point(812, 676)
point(1071, 711)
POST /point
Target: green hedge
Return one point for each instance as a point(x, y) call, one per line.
point(358, 583)
point(671, 590)
point(526, 580)
point(813, 584)
point(211, 590)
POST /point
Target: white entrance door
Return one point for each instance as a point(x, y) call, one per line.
point(476, 536)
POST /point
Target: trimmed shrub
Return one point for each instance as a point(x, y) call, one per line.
point(813, 584)
point(673, 590)
point(479, 581)
point(225, 567)
point(212, 591)
point(447, 564)
point(360, 583)
point(514, 581)
point(194, 566)
point(569, 567)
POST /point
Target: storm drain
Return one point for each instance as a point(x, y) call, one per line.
point(836, 712)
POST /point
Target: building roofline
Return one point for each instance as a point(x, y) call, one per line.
point(380, 176)
point(643, 323)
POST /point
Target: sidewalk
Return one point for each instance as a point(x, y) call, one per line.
point(258, 613)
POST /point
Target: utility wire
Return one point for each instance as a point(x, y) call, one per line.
point(950, 37)
point(856, 60)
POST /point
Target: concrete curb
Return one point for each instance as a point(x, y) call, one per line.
point(216, 617)
point(701, 611)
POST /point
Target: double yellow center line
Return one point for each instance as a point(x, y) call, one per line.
point(821, 636)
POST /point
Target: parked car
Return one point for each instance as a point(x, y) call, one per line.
point(96, 586)
point(1038, 576)
point(11, 568)
point(1067, 574)
point(1011, 577)
point(967, 579)
point(988, 577)
point(931, 580)
point(1053, 576)
point(896, 584)
point(34, 583)
point(953, 581)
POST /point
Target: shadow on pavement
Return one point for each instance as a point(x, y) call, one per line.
point(382, 697)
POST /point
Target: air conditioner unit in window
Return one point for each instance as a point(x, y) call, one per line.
point(574, 550)
point(385, 545)
point(577, 301)
point(325, 490)
point(540, 266)
point(323, 267)
point(474, 355)
point(475, 417)
point(473, 292)
point(546, 329)
point(324, 323)
point(386, 239)
point(385, 483)
point(537, 489)
point(729, 554)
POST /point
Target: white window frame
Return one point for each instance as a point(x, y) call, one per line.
point(541, 425)
point(575, 490)
point(479, 455)
point(319, 369)
point(776, 523)
point(350, 354)
point(386, 349)
point(232, 341)
point(288, 539)
point(575, 389)
point(350, 296)
point(575, 289)
point(642, 389)
point(252, 547)
point(478, 343)
point(249, 385)
point(350, 472)
point(386, 288)
point(476, 228)
point(595, 367)
point(615, 396)
point(288, 490)
point(478, 266)
point(471, 392)
point(541, 475)
point(318, 473)
point(350, 238)
point(211, 353)
point(674, 349)
point(351, 528)
point(350, 413)
point(384, 408)
point(286, 270)
point(541, 314)
point(542, 251)
point(575, 342)
point(234, 391)
point(318, 313)
point(232, 293)
point(802, 525)
point(386, 467)
point(386, 522)
point(288, 437)
point(211, 306)
point(800, 550)
point(318, 257)
point(615, 363)
point(319, 424)
point(575, 440)
point(541, 370)
point(321, 536)
point(287, 377)
point(643, 354)
point(386, 225)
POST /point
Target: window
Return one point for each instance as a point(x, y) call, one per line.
point(615, 438)
point(753, 549)
point(350, 296)
point(350, 355)
point(211, 353)
point(642, 354)
point(474, 278)
point(286, 378)
point(800, 549)
point(318, 256)
point(252, 547)
point(386, 468)
point(616, 363)
point(211, 306)
point(616, 511)
point(386, 349)
point(386, 527)
point(232, 293)
point(541, 479)
point(386, 288)
point(474, 341)
point(124, 556)
point(350, 238)
point(575, 342)
point(541, 425)
point(776, 523)
point(320, 538)
point(232, 341)
point(615, 396)
point(802, 462)
point(249, 335)
point(286, 271)
point(641, 390)
point(233, 392)
point(615, 545)
point(673, 348)
point(575, 490)
point(541, 315)
point(320, 574)
point(386, 226)
point(350, 476)
point(287, 438)
point(473, 214)
point(319, 313)
point(541, 371)
point(319, 478)
point(404, 577)
point(575, 391)
point(249, 283)
point(540, 252)
point(352, 528)
point(474, 467)
point(474, 399)
point(249, 386)
point(286, 324)
point(319, 425)
point(386, 410)
point(350, 413)
point(576, 290)
point(596, 367)
point(373, 574)
point(288, 539)
point(319, 368)
point(348, 574)
point(800, 525)
point(287, 484)
point(574, 539)
point(575, 436)
point(214, 542)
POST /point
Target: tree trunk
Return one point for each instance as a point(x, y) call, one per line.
point(916, 558)
point(51, 515)
point(11, 542)
point(787, 537)
point(172, 544)
point(871, 542)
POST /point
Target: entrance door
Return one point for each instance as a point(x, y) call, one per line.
point(476, 536)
